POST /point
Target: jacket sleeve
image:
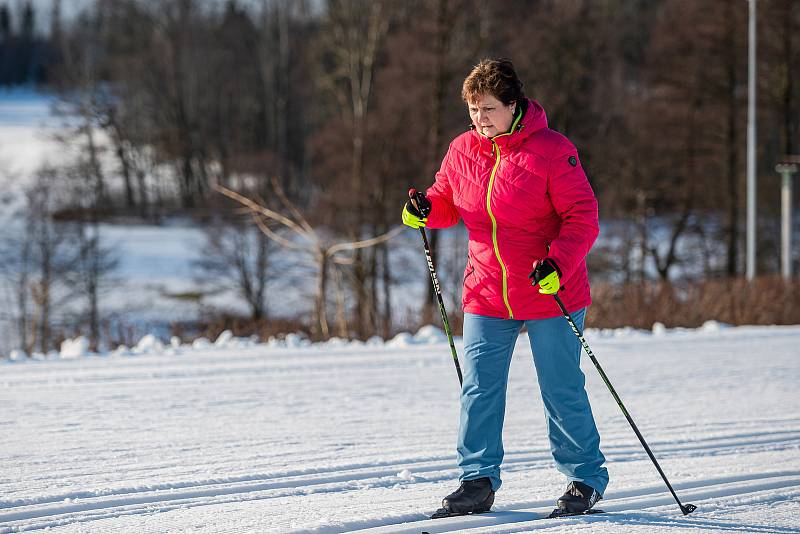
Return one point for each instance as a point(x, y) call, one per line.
point(574, 201)
point(443, 210)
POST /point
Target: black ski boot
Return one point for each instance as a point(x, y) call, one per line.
point(472, 497)
point(578, 499)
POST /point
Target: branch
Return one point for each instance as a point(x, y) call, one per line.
point(266, 230)
point(266, 212)
point(366, 243)
point(292, 208)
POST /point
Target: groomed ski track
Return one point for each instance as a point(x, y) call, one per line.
point(342, 438)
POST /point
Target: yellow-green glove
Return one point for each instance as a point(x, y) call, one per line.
point(546, 274)
point(416, 210)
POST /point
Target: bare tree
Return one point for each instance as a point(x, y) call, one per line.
point(324, 252)
point(90, 274)
point(238, 257)
point(50, 260)
point(17, 266)
point(354, 33)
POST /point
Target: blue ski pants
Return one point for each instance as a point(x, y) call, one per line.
point(574, 440)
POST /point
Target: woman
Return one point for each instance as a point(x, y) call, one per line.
point(522, 194)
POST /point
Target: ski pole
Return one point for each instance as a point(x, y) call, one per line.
point(437, 289)
point(685, 508)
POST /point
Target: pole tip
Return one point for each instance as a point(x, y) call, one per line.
point(688, 508)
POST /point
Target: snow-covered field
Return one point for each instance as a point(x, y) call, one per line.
point(341, 437)
point(26, 133)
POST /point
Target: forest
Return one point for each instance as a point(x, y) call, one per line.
point(297, 126)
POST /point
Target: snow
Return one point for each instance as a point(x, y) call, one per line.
point(26, 135)
point(150, 344)
point(289, 436)
point(401, 340)
point(430, 333)
point(74, 348)
point(18, 355)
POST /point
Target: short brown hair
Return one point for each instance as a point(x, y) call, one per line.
point(495, 77)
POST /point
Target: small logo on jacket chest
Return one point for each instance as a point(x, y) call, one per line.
point(573, 161)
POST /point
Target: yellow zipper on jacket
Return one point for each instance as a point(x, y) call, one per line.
point(491, 215)
point(494, 229)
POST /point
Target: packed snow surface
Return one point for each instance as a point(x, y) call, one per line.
point(231, 436)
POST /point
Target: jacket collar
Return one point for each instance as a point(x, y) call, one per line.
point(531, 119)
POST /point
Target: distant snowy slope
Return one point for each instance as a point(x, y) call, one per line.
point(341, 437)
point(26, 129)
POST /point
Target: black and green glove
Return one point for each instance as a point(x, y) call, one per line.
point(417, 209)
point(546, 274)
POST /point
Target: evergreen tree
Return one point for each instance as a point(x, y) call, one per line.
point(5, 23)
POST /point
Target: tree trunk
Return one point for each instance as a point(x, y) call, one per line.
point(732, 146)
point(320, 309)
point(94, 313)
point(283, 85)
point(141, 180)
point(791, 121)
point(341, 312)
point(44, 311)
point(22, 297)
point(387, 291)
point(98, 189)
point(130, 200)
point(259, 284)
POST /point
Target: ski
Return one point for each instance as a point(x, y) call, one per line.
point(441, 513)
point(558, 512)
point(444, 512)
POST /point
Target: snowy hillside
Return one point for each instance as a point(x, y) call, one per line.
point(237, 437)
point(26, 129)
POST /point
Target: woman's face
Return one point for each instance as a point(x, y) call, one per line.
point(490, 116)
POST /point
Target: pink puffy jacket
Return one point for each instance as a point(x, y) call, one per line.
point(523, 196)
